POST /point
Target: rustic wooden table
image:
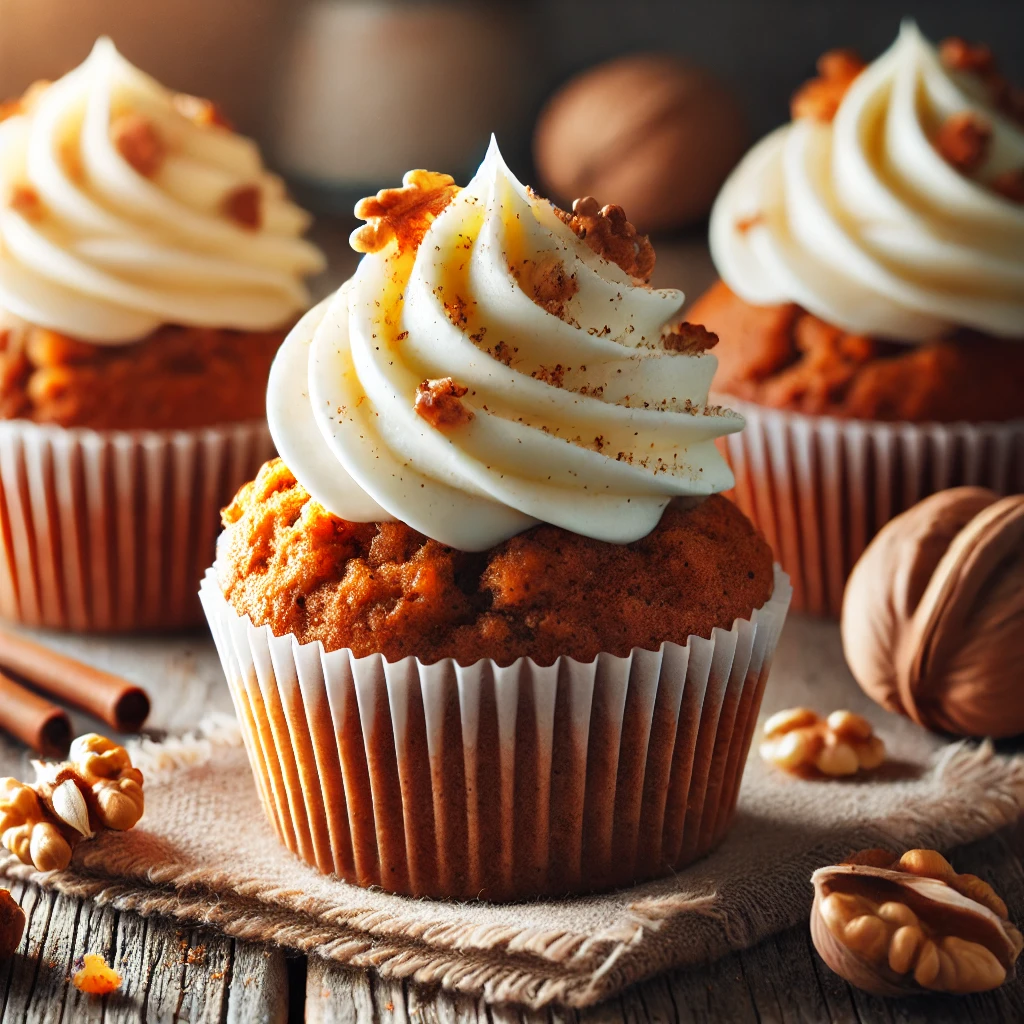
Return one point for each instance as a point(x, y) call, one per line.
point(174, 973)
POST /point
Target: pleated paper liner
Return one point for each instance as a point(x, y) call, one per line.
point(820, 488)
point(501, 783)
point(112, 530)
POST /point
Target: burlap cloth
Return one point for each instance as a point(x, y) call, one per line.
point(204, 853)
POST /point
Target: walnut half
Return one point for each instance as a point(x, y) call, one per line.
point(799, 741)
point(910, 925)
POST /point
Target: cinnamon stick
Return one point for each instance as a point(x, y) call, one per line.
point(118, 702)
point(39, 724)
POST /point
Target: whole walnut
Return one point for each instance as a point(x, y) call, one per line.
point(648, 132)
point(933, 614)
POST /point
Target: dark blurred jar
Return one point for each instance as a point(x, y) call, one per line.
point(226, 50)
point(368, 90)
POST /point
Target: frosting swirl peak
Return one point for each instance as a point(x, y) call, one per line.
point(120, 212)
point(497, 374)
point(863, 222)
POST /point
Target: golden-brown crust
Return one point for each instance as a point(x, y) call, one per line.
point(607, 231)
point(784, 357)
point(178, 377)
point(403, 214)
point(383, 588)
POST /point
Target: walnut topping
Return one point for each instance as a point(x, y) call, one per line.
point(606, 230)
point(690, 339)
point(960, 55)
point(547, 283)
point(25, 102)
point(404, 213)
point(963, 141)
point(977, 59)
point(439, 403)
point(820, 97)
point(202, 112)
point(24, 199)
point(798, 741)
point(137, 141)
point(244, 206)
point(1010, 185)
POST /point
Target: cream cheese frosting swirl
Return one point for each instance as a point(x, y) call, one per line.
point(863, 223)
point(107, 253)
point(580, 417)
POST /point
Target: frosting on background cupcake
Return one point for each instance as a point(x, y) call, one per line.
point(124, 208)
point(558, 398)
point(862, 221)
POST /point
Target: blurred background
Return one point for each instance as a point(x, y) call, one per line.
point(345, 94)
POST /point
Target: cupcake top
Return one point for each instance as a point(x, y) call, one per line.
point(494, 363)
point(892, 204)
point(124, 206)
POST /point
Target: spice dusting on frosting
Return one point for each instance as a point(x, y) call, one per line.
point(439, 402)
point(403, 213)
point(820, 97)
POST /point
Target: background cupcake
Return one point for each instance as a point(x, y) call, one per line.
point(149, 267)
point(489, 627)
point(871, 307)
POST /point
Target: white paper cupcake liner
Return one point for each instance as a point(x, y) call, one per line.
point(820, 488)
point(112, 530)
point(484, 781)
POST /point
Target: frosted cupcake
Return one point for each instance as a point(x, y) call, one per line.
point(149, 268)
point(489, 626)
point(871, 306)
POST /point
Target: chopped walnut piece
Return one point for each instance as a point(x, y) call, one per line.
point(404, 213)
point(137, 141)
point(963, 141)
point(606, 230)
point(960, 55)
point(202, 112)
point(439, 403)
point(24, 199)
point(244, 206)
point(548, 284)
point(690, 339)
point(977, 59)
point(820, 97)
point(1010, 185)
point(799, 741)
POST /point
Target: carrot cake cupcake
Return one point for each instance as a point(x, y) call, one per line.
point(871, 301)
point(149, 268)
point(489, 622)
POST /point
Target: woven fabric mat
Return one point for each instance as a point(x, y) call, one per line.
point(204, 853)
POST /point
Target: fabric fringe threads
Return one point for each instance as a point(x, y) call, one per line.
point(500, 783)
point(820, 488)
point(112, 530)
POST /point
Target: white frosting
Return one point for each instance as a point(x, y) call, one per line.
point(863, 223)
point(342, 390)
point(115, 254)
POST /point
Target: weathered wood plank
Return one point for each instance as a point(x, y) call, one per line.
point(339, 995)
point(96, 933)
point(258, 985)
point(26, 964)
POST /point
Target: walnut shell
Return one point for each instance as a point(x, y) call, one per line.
point(893, 933)
point(646, 131)
point(933, 614)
